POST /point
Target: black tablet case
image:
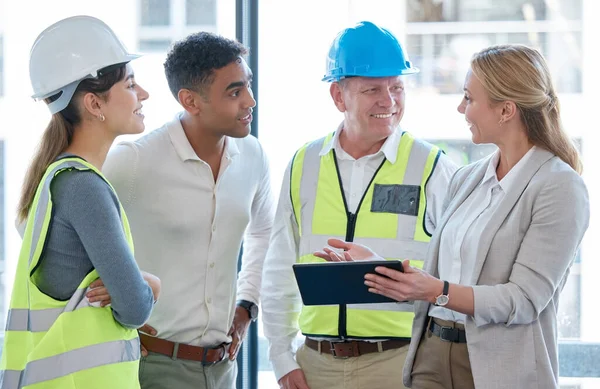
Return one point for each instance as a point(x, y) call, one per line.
point(334, 283)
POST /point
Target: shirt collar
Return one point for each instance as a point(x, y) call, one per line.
point(389, 147)
point(507, 182)
point(184, 148)
point(490, 173)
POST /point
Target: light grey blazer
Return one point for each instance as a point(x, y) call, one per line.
point(523, 260)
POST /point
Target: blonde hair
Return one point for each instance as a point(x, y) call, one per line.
point(520, 74)
point(59, 132)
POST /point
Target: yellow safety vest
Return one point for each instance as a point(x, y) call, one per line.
point(386, 220)
point(51, 344)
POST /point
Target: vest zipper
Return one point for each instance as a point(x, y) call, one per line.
point(350, 227)
point(351, 219)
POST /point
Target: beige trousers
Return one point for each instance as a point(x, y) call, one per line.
point(369, 371)
point(440, 364)
point(159, 371)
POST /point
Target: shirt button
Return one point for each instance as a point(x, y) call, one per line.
point(214, 228)
point(212, 264)
point(209, 300)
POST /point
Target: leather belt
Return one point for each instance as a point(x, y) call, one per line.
point(354, 348)
point(446, 333)
point(207, 356)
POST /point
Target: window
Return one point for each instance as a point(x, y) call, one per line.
point(487, 11)
point(165, 21)
point(200, 12)
point(156, 12)
point(442, 36)
point(154, 45)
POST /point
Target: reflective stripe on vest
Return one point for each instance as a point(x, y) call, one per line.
point(71, 362)
point(320, 211)
point(50, 343)
point(41, 320)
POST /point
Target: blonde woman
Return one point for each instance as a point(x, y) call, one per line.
point(77, 252)
point(487, 300)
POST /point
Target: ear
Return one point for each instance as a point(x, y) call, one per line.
point(93, 104)
point(509, 110)
point(190, 101)
point(337, 94)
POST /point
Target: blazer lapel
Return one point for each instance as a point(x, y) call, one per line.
point(536, 160)
point(463, 191)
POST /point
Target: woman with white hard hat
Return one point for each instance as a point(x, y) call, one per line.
point(78, 295)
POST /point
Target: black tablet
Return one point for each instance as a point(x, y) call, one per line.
point(332, 283)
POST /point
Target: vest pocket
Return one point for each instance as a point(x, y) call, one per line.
point(398, 199)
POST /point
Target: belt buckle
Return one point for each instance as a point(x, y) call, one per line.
point(452, 334)
point(353, 348)
point(205, 363)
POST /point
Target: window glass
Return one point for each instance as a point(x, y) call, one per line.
point(155, 12)
point(200, 12)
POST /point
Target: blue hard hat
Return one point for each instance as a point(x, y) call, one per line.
point(366, 50)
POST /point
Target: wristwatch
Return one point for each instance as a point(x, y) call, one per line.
point(250, 307)
point(443, 298)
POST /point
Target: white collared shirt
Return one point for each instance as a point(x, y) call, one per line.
point(458, 246)
point(188, 229)
point(281, 302)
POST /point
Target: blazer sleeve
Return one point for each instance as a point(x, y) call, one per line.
point(559, 219)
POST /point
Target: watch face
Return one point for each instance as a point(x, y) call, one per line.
point(253, 311)
point(442, 300)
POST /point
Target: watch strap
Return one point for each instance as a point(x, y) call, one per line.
point(250, 307)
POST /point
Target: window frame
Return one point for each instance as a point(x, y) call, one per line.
point(177, 27)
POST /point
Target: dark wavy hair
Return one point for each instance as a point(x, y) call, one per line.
point(191, 62)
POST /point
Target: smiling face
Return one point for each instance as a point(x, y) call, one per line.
point(227, 108)
point(372, 107)
point(480, 112)
point(123, 106)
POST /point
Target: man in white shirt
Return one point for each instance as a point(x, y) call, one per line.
point(193, 190)
point(367, 182)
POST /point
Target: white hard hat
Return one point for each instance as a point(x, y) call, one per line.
point(70, 51)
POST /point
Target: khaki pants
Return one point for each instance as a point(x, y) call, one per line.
point(159, 371)
point(369, 371)
point(440, 364)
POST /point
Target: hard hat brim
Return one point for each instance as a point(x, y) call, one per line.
point(92, 71)
point(68, 91)
point(404, 72)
